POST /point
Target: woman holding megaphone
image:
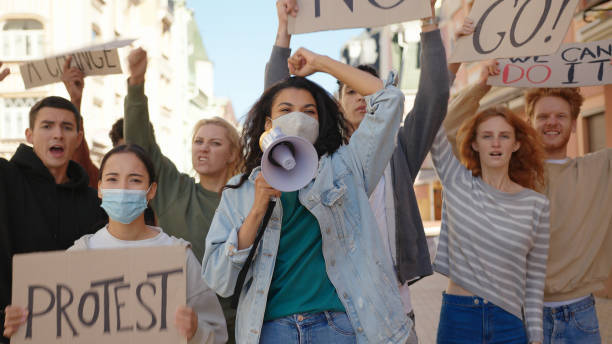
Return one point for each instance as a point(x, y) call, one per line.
point(319, 274)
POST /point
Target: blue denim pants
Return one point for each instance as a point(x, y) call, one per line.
point(306, 328)
point(471, 319)
point(573, 323)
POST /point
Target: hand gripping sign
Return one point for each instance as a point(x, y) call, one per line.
point(509, 28)
point(320, 15)
point(100, 296)
point(574, 65)
point(100, 59)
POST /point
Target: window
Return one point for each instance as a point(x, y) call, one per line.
point(14, 114)
point(21, 39)
point(596, 125)
point(95, 33)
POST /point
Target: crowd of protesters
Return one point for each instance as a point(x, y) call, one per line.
point(526, 231)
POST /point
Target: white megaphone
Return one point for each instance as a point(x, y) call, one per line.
point(289, 162)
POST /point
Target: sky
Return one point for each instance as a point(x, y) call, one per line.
point(238, 37)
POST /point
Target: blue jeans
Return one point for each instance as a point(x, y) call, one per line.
point(306, 328)
point(573, 323)
point(471, 319)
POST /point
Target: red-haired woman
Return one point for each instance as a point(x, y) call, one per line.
point(494, 234)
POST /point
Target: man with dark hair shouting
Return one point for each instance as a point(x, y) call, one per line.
point(45, 203)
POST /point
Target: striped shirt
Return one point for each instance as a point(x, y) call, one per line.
point(493, 244)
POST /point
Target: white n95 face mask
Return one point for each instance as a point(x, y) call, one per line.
point(298, 124)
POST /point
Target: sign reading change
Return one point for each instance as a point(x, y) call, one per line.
point(574, 65)
point(112, 296)
point(508, 28)
point(99, 59)
point(320, 15)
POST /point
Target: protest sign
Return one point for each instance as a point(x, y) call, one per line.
point(509, 28)
point(320, 15)
point(100, 59)
point(100, 296)
point(574, 65)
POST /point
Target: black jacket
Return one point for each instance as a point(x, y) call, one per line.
point(36, 214)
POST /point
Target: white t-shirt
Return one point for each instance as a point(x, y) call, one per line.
point(379, 208)
point(103, 239)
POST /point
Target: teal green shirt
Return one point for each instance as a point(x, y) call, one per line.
point(299, 282)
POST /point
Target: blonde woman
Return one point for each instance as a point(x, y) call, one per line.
point(184, 207)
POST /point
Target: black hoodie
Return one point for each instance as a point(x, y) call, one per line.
point(36, 214)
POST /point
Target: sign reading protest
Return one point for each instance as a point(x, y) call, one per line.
point(576, 64)
point(320, 15)
point(509, 28)
point(99, 59)
point(100, 296)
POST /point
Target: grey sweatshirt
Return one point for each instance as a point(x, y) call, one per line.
point(414, 140)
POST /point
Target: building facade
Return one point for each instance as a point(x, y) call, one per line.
point(179, 80)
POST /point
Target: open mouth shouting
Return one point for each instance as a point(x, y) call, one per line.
point(57, 151)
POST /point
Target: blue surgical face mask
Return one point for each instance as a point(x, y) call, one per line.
point(124, 205)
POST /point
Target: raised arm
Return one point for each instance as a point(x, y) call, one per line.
point(416, 136)
point(304, 63)
point(74, 81)
point(536, 276)
point(276, 68)
point(466, 102)
point(4, 73)
point(372, 143)
point(466, 29)
point(138, 129)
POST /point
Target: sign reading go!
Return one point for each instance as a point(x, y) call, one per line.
point(509, 28)
point(111, 296)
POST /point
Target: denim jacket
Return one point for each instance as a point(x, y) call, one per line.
point(355, 260)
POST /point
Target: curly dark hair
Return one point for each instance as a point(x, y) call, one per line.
point(332, 125)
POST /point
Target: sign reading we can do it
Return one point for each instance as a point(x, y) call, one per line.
point(574, 65)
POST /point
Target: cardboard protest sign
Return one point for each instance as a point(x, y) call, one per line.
point(575, 64)
point(320, 15)
point(98, 59)
point(100, 296)
point(509, 28)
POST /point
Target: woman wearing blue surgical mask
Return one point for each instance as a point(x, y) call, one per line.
point(319, 274)
point(126, 184)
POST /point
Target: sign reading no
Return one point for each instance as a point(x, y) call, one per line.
point(320, 15)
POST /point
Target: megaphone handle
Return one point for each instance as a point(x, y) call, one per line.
point(249, 260)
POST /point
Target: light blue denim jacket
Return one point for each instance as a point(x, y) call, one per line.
point(355, 260)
